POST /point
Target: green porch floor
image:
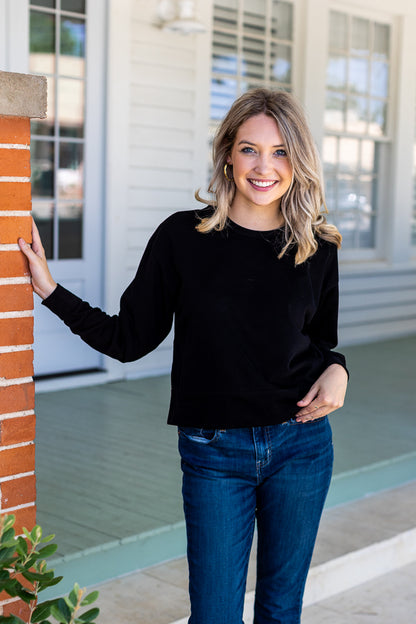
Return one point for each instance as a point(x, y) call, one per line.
point(108, 471)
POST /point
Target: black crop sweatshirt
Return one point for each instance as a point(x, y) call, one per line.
point(252, 332)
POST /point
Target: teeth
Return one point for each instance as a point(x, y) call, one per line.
point(262, 183)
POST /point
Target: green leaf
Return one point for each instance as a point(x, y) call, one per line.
point(90, 615)
point(8, 522)
point(11, 619)
point(92, 597)
point(47, 551)
point(8, 535)
point(36, 533)
point(21, 546)
point(37, 576)
point(28, 535)
point(46, 539)
point(43, 610)
point(6, 554)
point(61, 611)
point(51, 583)
point(73, 597)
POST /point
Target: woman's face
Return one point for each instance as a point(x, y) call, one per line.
point(261, 168)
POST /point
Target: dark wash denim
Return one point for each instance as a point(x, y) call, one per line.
point(278, 476)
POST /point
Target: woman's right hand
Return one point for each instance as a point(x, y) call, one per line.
point(42, 281)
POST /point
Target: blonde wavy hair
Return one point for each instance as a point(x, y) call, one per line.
point(303, 205)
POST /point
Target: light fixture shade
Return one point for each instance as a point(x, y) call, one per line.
point(186, 23)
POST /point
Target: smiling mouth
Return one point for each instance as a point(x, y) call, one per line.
point(263, 184)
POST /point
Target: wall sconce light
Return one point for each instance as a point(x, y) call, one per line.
point(181, 20)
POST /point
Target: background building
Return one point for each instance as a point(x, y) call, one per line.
point(132, 108)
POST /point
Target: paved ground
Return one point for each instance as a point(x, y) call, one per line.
point(158, 595)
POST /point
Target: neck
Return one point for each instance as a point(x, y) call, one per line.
point(256, 218)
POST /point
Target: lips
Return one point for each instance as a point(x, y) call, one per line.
point(262, 184)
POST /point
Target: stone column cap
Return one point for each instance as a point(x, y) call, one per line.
point(23, 95)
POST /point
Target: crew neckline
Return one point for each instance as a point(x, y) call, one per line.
point(256, 233)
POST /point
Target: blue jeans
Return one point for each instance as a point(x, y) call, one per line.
point(278, 476)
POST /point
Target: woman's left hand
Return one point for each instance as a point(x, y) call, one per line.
point(325, 396)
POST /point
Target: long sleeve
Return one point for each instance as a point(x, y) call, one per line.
point(146, 307)
point(323, 327)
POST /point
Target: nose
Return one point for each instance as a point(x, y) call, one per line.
point(263, 165)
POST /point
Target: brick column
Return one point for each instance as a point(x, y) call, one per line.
point(22, 97)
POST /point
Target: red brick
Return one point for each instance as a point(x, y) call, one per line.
point(11, 228)
point(19, 608)
point(15, 162)
point(16, 297)
point(16, 331)
point(15, 130)
point(16, 430)
point(18, 492)
point(16, 364)
point(17, 398)
point(15, 196)
point(13, 264)
point(17, 460)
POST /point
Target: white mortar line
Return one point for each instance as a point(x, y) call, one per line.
point(351, 570)
point(15, 446)
point(9, 247)
point(21, 414)
point(15, 213)
point(15, 348)
point(18, 146)
point(17, 476)
point(7, 281)
point(10, 510)
point(21, 314)
point(4, 383)
point(14, 179)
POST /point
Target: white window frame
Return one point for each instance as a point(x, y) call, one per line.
point(378, 252)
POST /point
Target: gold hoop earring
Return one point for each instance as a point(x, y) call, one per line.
point(225, 173)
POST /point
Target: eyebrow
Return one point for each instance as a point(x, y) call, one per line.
point(250, 143)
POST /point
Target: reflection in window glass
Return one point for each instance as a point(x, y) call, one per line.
point(360, 36)
point(77, 6)
point(42, 43)
point(336, 71)
point(72, 37)
point(253, 57)
point(334, 115)
point(281, 69)
point(380, 79)
point(382, 41)
point(282, 20)
point(42, 166)
point(70, 171)
point(49, 4)
point(254, 17)
point(43, 214)
point(71, 107)
point(70, 230)
point(338, 31)
point(357, 115)
point(378, 118)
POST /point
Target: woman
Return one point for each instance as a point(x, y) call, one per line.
point(252, 282)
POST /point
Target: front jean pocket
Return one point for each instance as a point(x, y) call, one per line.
point(201, 436)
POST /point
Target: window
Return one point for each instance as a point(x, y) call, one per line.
point(356, 125)
point(252, 47)
point(413, 224)
point(57, 50)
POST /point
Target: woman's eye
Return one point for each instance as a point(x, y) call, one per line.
point(281, 153)
point(247, 150)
